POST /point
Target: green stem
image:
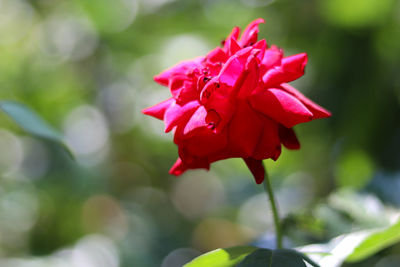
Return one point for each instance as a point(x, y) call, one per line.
point(270, 192)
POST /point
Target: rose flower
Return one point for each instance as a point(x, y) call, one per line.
point(235, 102)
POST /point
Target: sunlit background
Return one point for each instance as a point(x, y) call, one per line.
point(87, 68)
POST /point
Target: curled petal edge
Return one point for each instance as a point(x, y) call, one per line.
point(157, 111)
point(318, 111)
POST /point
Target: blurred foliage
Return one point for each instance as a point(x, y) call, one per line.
point(86, 67)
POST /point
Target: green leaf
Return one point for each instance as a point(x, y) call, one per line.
point(32, 123)
point(247, 256)
point(273, 258)
point(227, 257)
point(353, 246)
point(308, 260)
point(376, 242)
point(258, 258)
point(335, 252)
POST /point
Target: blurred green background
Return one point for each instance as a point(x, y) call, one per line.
point(87, 67)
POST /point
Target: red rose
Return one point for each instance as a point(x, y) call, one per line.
point(235, 102)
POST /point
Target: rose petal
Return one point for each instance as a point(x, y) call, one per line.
point(288, 137)
point(196, 121)
point(186, 93)
point(231, 71)
point(295, 63)
point(262, 46)
point(218, 98)
point(269, 145)
point(291, 69)
point(158, 110)
point(233, 35)
point(178, 168)
point(180, 68)
point(249, 79)
point(250, 34)
point(280, 106)
point(272, 57)
point(245, 130)
point(257, 169)
point(202, 144)
point(233, 47)
point(318, 111)
point(176, 114)
point(234, 67)
point(175, 84)
point(217, 55)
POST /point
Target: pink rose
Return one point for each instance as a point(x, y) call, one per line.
point(235, 102)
